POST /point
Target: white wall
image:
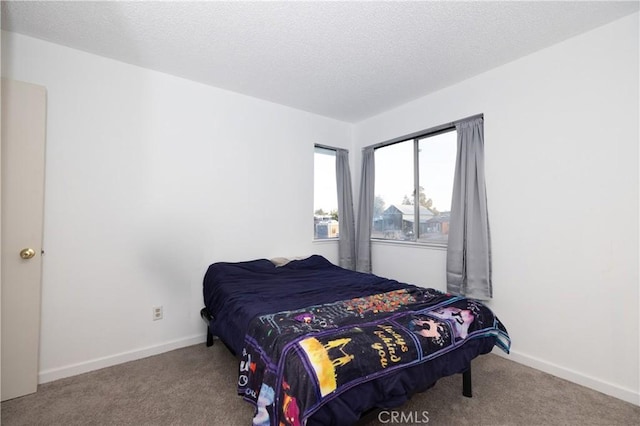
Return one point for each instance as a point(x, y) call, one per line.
point(561, 137)
point(150, 178)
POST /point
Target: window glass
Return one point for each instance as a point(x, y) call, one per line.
point(325, 195)
point(394, 174)
point(437, 162)
point(397, 198)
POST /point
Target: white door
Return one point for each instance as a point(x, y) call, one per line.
point(23, 141)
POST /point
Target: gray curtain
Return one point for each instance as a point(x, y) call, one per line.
point(347, 240)
point(469, 248)
point(365, 211)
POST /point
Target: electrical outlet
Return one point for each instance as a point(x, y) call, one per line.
point(157, 313)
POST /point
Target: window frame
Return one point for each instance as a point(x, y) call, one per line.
point(415, 139)
point(317, 146)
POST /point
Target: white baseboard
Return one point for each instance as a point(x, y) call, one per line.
point(108, 361)
point(610, 389)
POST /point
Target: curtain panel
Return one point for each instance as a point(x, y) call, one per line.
point(347, 238)
point(365, 211)
point(469, 248)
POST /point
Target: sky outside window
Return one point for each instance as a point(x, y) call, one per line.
point(324, 177)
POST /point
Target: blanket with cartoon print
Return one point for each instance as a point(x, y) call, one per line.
point(293, 362)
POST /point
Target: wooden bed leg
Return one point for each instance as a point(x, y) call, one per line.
point(209, 337)
point(466, 383)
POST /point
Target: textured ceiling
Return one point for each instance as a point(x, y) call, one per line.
point(346, 60)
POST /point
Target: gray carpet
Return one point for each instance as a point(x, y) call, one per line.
point(196, 386)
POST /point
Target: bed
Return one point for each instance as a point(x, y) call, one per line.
point(321, 345)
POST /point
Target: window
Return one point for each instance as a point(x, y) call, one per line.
point(423, 165)
point(325, 194)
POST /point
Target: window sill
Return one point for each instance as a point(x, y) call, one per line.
point(412, 244)
point(324, 240)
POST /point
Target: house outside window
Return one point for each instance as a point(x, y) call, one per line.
point(422, 165)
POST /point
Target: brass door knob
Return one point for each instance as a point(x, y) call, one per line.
point(27, 253)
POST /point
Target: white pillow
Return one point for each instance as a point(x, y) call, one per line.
point(281, 261)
